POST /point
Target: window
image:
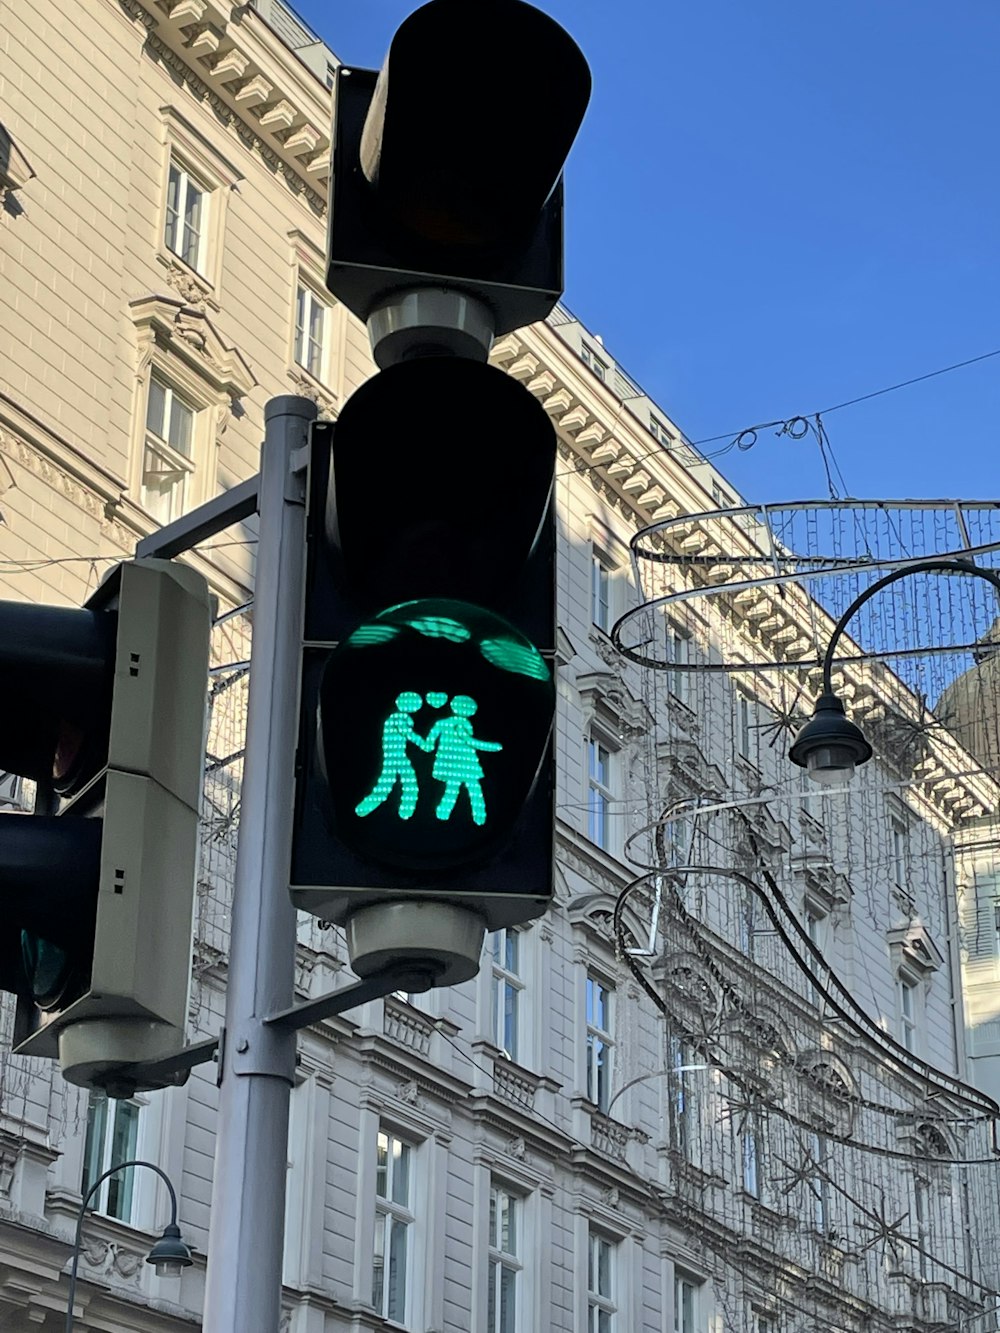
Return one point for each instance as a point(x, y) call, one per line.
point(749, 912)
point(599, 1042)
point(598, 791)
point(685, 1305)
point(311, 323)
point(678, 656)
point(591, 359)
point(393, 1226)
point(112, 1134)
point(723, 499)
point(899, 837)
point(187, 210)
point(764, 1323)
point(506, 986)
point(750, 1152)
point(659, 431)
point(744, 724)
point(600, 591)
point(167, 458)
point(907, 990)
point(922, 1220)
point(815, 924)
point(10, 790)
point(817, 1184)
point(504, 1264)
point(684, 1063)
point(600, 1284)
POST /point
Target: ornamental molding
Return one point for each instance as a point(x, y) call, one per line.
point(913, 947)
point(15, 169)
point(226, 56)
point(306, 387)
point(187, 332)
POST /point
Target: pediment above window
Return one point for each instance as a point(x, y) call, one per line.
point(610, 703)
point(687, 773)
point(15, 169)
point(189, 334)
point(913, 948)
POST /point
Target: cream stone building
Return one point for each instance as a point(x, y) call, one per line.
point(725, 1099)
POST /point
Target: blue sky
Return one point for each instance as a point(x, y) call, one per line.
point(777, 205)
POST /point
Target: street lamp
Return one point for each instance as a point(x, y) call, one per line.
point(830, 745)
point(169, 1256)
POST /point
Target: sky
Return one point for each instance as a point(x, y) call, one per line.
point(775, 206)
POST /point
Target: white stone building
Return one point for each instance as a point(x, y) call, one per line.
point(757, 1121)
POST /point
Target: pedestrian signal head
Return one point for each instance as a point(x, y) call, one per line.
point(433, 720)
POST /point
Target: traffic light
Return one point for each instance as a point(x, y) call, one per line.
point(427, 699)
point(445, 220)
point(424, 792)
point(104, 708)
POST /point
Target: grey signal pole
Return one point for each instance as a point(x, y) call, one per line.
point(258, 1064)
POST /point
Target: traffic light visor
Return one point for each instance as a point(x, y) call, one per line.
point(435, 428)
point(446, 167)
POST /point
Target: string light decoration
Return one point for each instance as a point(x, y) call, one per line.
point(852, 1175)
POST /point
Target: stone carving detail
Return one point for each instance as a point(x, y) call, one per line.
point(409, 1092)
point(307, 388)
point(34, 462)
point(187, 286)
point(517, 1148)
point(112, 1259)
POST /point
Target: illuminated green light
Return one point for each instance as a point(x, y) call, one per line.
point(454, 746)
point(514, 655)
point(366, 635)
point(441, 627)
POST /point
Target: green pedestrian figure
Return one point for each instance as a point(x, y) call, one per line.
point(456, 763)
point(397, 734)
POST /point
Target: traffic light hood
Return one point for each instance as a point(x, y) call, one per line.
point(445, 166)
point(432, 428)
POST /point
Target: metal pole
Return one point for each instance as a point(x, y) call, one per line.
point(258, 1066)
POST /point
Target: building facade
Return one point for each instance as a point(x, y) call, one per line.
point(722, 1084)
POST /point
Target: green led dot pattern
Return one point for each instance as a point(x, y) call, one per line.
point(452, 742)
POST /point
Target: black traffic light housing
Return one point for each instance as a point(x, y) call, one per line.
point(104, 708)
point(448, 596)
point(432, 186)
point(424, 789)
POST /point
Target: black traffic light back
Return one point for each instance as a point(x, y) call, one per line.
point(431, 185)
point(448, 172)
point(104, 705)
point(56, 677)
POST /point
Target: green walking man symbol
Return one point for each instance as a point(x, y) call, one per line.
point(456, 762)
point(397, 766)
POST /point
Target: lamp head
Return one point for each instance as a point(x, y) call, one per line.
point(830, 745)
point(170, 1256)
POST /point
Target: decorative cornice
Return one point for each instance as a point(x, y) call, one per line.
point(228, 57)
point(187, 331)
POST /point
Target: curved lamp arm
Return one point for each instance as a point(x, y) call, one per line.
point(916, 567)
point(122, 1166)
point(658, 1073)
